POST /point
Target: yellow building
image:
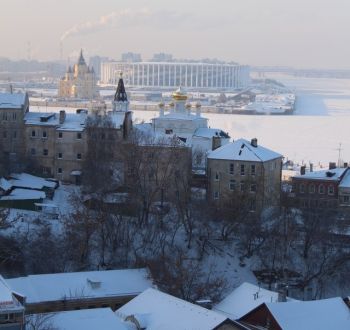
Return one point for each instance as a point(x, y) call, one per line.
point(79, 82)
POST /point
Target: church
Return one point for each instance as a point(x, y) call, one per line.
point(79, 82)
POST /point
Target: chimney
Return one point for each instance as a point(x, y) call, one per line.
point(62, 117)
point(302, 170)
point(282, 295)
point(311, 167)
point(346, 165)
point(216, 142)
point(332, 165)
point(254, 142)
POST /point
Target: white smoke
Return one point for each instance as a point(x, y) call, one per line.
point(126, 17)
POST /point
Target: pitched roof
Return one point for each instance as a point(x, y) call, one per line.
point(322, 314)
point(244, 299)
point(87, 319)
point(330, 175)
point(12, 101)
point(120, 94)
point(157, 310)
point(109, 283)
point(243, 150)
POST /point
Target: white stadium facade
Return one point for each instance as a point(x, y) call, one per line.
point(173, 74)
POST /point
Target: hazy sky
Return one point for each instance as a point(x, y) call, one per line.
point(300, 33)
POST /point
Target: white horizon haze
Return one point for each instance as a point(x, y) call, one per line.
point(298, 33)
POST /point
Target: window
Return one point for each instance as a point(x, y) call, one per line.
point(168, 131)
point(4, 134)
point(33, 133)
point(232, 168)
point(252, 205)
point(216, 195)
point(78, 156)
point(321, 189)
point(232, 185)
point(103, 136)
point(302, 188)
point(45, 152)
point(311, 188)
point(242, 169)
point(331, 190)
point(59, 170)
point(252, 169)
point(346, 199)
point(79, 136)
point(216, 176)
point(60, 155)
point(15, 134)
point(44, 134)
point(253, 187)
point(4, 116)
point(242, 186)
point(60, 135)
point(14, 116)
point(32, 151)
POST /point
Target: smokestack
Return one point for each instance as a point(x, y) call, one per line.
point(302, 170)
point(254, 142)
point(62, 117)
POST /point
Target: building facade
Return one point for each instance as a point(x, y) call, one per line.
point(173, 74)
point(244, 171)
point(79, 81)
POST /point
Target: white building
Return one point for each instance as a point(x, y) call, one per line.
point(188, 126)
point(172, 74)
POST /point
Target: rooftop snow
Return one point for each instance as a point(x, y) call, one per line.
point(52, 287)
point(5, 184)
point(7, 300)
point(24, 194)
point(242, 150)
point(317, 314)
point(117, 118)
point(331, 175)
point(345, 182)
point(210, 132)
point(243, 299)
point(72, 122)
point(24, 180)
point(180, 116)
point(12, 101)
point(87, 319)
point(157, 310)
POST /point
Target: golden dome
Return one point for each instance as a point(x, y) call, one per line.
point(179, 95)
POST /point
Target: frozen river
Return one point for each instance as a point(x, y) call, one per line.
point(313, 134)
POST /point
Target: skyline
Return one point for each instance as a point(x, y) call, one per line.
point(253, 32)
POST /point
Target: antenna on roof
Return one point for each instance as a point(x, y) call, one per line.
point(339, 149)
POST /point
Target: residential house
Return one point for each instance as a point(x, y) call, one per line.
point(244, 170)
point(47, 293)
point(322, 314)
point(153, 309)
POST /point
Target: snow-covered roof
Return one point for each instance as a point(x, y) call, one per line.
point(328, 175)
point(157, 310)
point(322, 314)
point(87, 319)
point(24, 194)
point(5, 184)
point(243, 299)
point(117, 118)
point(72, 121)
point(210, 132)
point(345, 182)
point(52, 287)
point(25, 180)
point(7, 301)
point(243, 150)
point(12, 101)
point(179, 116)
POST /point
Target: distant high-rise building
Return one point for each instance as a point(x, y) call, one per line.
point(95, 63)
point(79, 82)
point(162, 57)
point(131, 57)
